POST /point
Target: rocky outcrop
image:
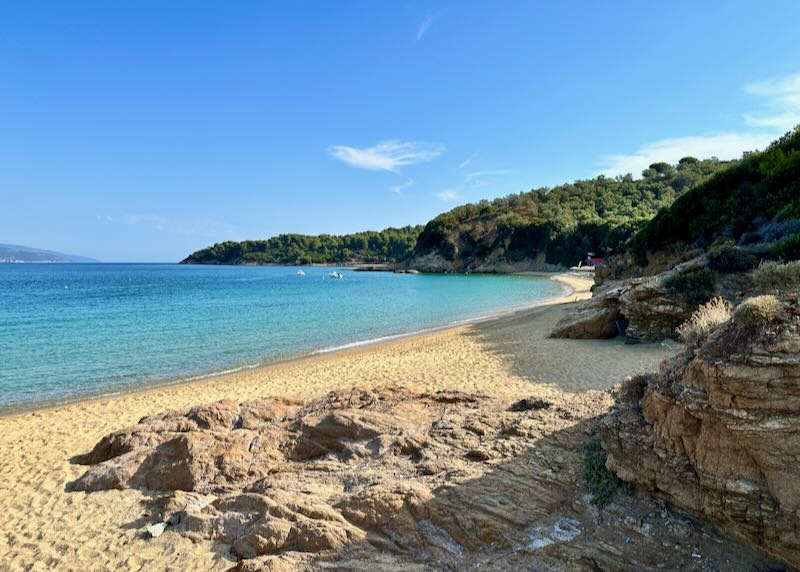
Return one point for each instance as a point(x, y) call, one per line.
point(595, 318)
point(392, 479)
point(431, 262)
point(277, 477)
point(643, 307)
point(718, 432)
point(652, 311)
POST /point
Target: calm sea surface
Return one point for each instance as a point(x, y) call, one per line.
point(77, 329)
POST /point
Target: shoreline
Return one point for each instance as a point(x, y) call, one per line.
point(505, 358)
point(576, 287)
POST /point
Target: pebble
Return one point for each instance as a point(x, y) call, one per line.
point(157, 529)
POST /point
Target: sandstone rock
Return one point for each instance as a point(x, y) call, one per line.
point(595, 318)
point(653, 313)
point(650, 311)
point(432, 262)
point(283, 563)
point(719, 432)
point(383, 479)
point(339, 433)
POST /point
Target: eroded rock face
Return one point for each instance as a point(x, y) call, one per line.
point(278, 476)
point(719, 432)
point(432, 262)
point(650, 312)
point(391, 479)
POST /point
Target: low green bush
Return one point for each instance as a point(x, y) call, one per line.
point(729, 259)
point(788, 248)
point(774, 276)
point(602, 482)
point(696, 286)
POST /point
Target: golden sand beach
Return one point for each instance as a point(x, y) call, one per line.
point(42, 527)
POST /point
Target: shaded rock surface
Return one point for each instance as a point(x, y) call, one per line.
point(391, 479)
point(718, 431)
point(650, 312)
point(595, 318)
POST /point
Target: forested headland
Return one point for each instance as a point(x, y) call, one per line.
point(554, 226)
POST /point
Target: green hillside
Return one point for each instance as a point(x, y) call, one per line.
point(390, 245)
point(756, 201)
point(558, 226)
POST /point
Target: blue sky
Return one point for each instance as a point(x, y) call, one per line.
point(143, 130)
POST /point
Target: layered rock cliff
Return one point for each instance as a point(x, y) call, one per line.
point(718, 430)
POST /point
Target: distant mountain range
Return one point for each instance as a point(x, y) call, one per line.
point(17, 253)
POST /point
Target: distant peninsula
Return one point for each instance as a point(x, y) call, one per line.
point(391, 245)
point(15, 253)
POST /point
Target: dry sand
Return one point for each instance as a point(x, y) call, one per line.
point(44, 528)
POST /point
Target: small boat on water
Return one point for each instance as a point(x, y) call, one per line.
point(335, 275)
point(301, 273)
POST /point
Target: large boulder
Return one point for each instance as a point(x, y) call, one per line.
point(718, 432)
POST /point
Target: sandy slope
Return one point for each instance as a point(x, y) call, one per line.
point(44, 528)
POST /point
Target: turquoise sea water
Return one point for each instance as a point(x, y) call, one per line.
point(76, 329)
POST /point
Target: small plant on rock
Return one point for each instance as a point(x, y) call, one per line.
point(602, 482)
point(758, 311)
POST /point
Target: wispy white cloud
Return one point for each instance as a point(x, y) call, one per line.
point(721, 145)
point(387, 155)
point(779, 111)
point(448, 195)
point(425, 26)
point(471, 181)
point(466, 162)
point(107, 218)
point(398, 189)
point(470, 177)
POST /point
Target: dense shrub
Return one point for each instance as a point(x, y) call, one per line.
point(696, 286)
point(390, 245)
point(731, 259)
point(758, 311)
point(704, 320)
point(788, 248)
point(773, 276)
point(761, 187)
point(564, 222)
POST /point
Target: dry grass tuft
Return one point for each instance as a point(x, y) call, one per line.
point(758, 311)
point(704, 320)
